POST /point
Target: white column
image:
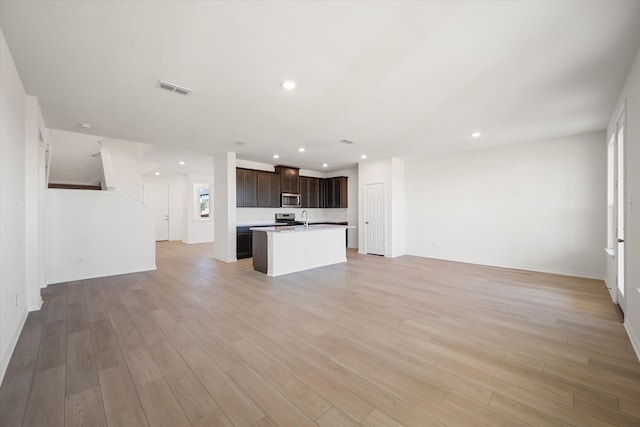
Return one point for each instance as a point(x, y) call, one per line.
point(224, 207)
point(33, 226)
point(398, 236)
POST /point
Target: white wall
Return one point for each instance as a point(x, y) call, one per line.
point(198, 230)
point(13, 305)
point(176, 203)
point(97, 233)
point(121, 167)
point(248, 164)
point(536, 206)
point(390, 173)
point(630, 95)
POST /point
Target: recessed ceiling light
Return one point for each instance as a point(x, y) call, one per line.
point(364, 156)
point(324, 165)
point(289, 84)
point(301, 149)
point(157, 173)
point(181, 162)
point(85, 125)
point(276, 156)
point(238, 142)
point(476, 134)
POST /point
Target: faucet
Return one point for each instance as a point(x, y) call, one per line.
point(306, 218)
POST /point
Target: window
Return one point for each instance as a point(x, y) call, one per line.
point(204, 202)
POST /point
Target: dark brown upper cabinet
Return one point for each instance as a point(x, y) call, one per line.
point(262, 189)
point(310, 192)
point(336, 192)
point(246, 188)
point(289, 179)
point(268, 190)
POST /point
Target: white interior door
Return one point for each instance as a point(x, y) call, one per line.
point(156, 198)
point(374, 219)
point(620, 214)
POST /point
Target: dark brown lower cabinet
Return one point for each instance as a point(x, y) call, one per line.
point(244, 243)
point(260, 252)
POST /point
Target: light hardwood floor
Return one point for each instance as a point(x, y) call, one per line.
point(374, 342)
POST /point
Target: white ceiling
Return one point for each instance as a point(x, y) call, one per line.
point(399, 78)
point(74, 158)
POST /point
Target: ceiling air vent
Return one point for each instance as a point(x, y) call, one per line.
point(174, 88)
point(183, 91)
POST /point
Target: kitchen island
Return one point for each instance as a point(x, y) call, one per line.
point(286, 249)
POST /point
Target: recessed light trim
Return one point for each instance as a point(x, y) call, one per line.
point(301, 150)
point(288, 84)
point(364, 156)
point(476, 134)
point(239, 143)
point(276, 156)
point(325, 165)
point(157, 173)
point(85, 125)
point(181, 162)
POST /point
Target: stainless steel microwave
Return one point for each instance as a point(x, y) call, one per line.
point(291, 200)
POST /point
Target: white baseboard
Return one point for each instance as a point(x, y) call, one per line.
point(635, 342)
point(227, 260)
point(518, 267)
point(35, 307)
point(613, 292)
point(6, 357)
point(72, 278)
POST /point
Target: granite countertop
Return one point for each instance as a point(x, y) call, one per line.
point(276, 224)
point(301, 228)
point(260, 224)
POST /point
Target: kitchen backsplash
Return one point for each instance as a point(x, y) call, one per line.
point(252, 216)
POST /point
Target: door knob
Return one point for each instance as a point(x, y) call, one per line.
point(620, 240)
point(366, 222)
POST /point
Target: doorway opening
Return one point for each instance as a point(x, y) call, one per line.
point(619, 211)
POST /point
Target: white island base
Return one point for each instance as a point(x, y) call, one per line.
point(284, 250)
